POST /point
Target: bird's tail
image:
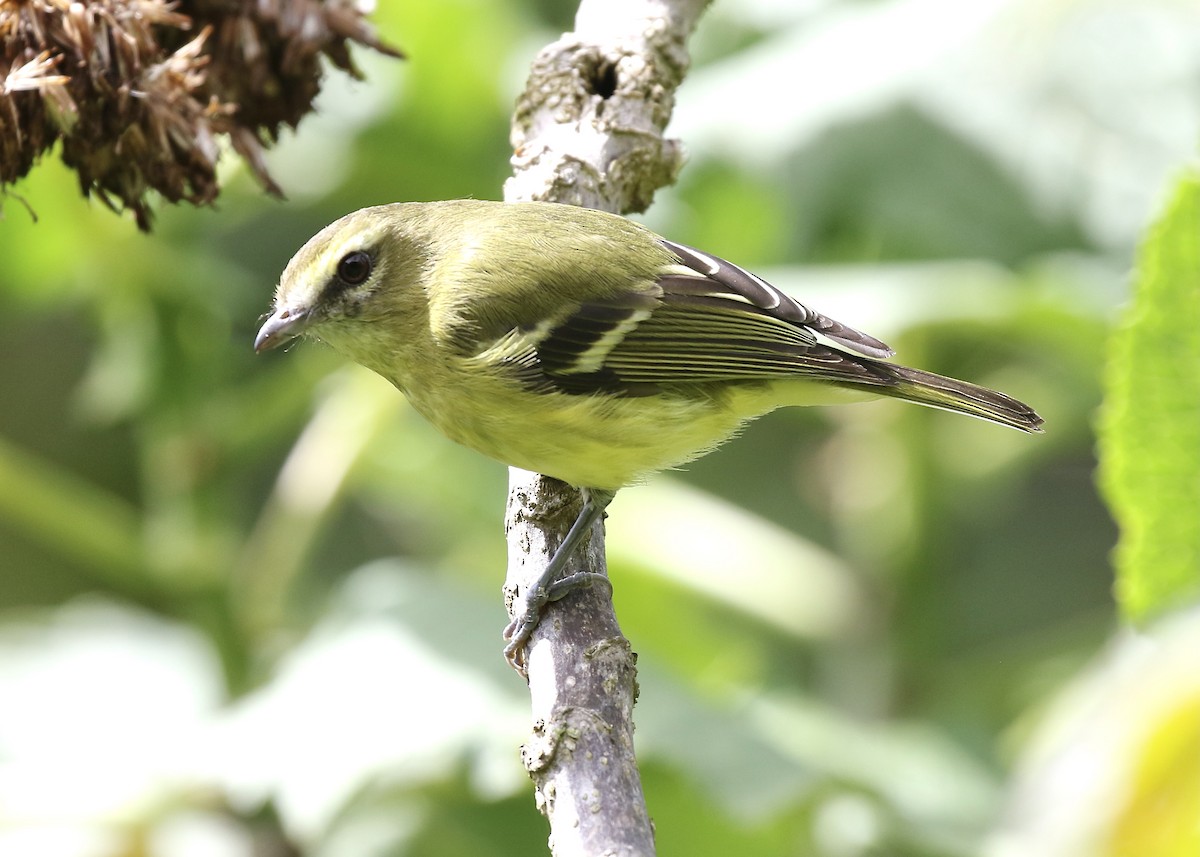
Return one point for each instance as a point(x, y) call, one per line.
point(938, 391)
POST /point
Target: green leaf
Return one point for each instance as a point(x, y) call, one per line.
point(1150, 431)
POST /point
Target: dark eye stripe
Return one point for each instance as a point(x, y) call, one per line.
point(352, 270)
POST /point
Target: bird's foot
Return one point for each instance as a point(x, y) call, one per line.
point(527, 613)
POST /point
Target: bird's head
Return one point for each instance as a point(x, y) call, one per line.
point(353, 283)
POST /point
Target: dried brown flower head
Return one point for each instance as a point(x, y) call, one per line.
point(140, 91)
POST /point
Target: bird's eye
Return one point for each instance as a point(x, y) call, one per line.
point(354, 268)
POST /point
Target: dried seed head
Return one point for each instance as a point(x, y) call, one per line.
point(139, 91)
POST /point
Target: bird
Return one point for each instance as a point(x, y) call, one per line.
point(578, 344)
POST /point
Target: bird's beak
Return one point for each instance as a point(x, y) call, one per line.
point(283, 326)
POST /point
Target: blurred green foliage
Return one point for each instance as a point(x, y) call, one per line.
point(253, 601)
point(1151, 436)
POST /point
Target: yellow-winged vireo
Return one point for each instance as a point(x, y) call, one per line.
point(580, 345)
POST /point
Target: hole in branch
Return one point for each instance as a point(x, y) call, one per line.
point(604, 81)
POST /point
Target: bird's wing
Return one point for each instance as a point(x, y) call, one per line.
point(709, 276)
point(703, 321)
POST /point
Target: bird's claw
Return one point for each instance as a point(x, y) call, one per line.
point(517, 633)
point(527, 614)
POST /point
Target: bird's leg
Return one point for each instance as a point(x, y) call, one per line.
point(548, 587)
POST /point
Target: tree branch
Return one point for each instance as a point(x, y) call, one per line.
point(588, 130)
